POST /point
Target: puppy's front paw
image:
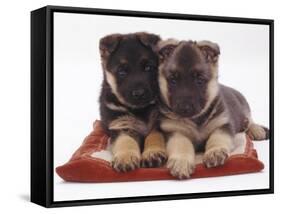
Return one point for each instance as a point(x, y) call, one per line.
point(215, 157)
point(126, 161)
point(153, 158)
point(181, 166)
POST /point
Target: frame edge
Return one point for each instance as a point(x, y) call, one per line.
point(38, 187)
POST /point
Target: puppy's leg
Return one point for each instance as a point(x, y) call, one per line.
point(217, 148)
point(154, 153)
point(181, 156)
point(257, 132)
point(126, 153)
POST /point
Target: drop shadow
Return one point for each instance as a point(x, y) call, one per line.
point(25, 197)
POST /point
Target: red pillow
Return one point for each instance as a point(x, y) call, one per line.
point(91, 163)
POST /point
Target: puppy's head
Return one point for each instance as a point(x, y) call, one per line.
point(188, 75)
point(130, 63)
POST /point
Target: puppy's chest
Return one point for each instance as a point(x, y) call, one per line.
point(196, 132)
point(141, 121)
point(147, 115)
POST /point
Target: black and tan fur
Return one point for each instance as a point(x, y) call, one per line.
point(198, 113)
point(128, 100)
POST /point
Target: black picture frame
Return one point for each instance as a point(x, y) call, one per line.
point(42, 105)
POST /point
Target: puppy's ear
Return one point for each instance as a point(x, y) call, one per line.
point(210, 50)
point(108, 44)
point(148, 39)
point(166, 51)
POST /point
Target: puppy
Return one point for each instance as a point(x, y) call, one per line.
point(198, 113)
point(128, 100)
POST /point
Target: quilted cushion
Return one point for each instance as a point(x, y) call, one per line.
point(91, 162)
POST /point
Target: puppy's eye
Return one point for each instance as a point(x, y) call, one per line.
point(172, 80)
point(122, 72)
point(148, 68)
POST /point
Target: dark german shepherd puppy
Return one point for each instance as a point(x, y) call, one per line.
point(198, 112)
point(128, 100)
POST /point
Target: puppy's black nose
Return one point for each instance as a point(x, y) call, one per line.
point(185, 108)
point(138, 93)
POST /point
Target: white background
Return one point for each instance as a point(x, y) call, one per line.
point(244, 65)
point(15, 106)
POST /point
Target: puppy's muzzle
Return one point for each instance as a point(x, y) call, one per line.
point(185, 109)
point(138, 93)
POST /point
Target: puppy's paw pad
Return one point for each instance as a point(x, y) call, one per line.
point(125, 162)
point(181, 167)
point(215, 157)
point(153, 158)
